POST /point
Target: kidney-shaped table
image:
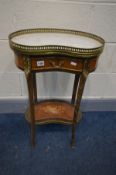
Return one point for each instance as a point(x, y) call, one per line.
point(45, 49)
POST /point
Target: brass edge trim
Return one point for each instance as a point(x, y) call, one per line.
point(51, 49)
point(53, 121)
point(59, 69)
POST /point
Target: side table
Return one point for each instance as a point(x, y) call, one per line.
point(45, 49)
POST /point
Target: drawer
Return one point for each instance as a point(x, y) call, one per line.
point(57, 64)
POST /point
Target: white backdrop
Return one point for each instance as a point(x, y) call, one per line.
point(98, 17)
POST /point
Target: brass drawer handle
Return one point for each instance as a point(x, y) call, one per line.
point(57, 64)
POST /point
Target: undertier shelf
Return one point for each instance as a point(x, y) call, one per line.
point(53, 112)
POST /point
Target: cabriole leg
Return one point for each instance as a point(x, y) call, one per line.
point(76, 81)
point(34, 87)
point(29, 78)
point(82, 81)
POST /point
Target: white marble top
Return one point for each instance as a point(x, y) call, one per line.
point(60, 39)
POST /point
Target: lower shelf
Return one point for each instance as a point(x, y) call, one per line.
point(53, 112)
